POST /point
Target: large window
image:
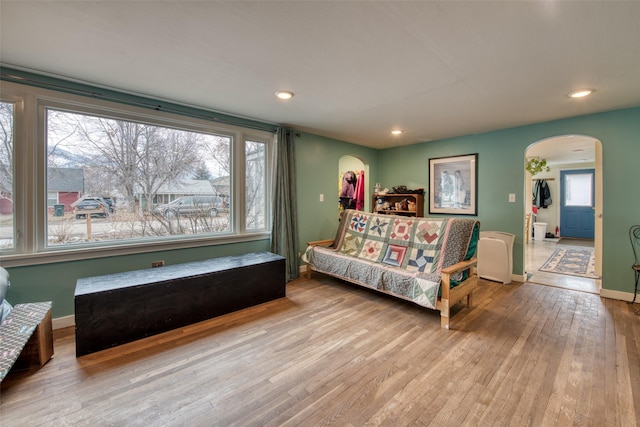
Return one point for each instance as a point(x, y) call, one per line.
point(7, 223)
point(110, 175)
point(118, 179)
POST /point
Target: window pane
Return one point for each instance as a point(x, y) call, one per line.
point(255, 154)
point(118, 180)
point(7, 217)
point(577, 190)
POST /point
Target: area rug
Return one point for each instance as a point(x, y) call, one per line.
point(572, 261)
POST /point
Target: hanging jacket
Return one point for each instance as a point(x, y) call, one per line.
point(349, 181)
point(542, 194)
point(359, 193)
point(348, 190)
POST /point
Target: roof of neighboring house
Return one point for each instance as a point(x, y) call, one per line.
point(187, 186)
point(221, 180)
point(65, 179)
point(221, 184)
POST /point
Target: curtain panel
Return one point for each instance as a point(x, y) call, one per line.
point(284, 231)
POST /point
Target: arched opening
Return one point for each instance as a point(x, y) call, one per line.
point(548, 258)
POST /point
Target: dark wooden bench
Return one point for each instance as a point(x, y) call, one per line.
point(119, 308)
point(26, 337)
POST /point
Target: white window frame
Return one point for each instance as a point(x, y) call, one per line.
point(30, 168)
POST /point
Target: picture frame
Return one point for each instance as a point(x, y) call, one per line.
point(453, 185)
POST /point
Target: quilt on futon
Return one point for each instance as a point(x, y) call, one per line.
point(400, 255)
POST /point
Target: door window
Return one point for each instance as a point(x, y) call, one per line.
point(578, 190)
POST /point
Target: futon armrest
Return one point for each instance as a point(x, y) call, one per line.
point(450, 296)
point(326, 242)
point(460, 266)
point(453, 269)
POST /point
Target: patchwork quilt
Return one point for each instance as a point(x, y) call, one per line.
point(403, 256)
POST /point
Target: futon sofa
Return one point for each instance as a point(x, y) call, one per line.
point(428, 261)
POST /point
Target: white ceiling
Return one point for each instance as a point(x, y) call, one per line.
point(435, 69)
point(565, 150)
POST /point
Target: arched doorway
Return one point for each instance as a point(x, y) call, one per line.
point(564, 154)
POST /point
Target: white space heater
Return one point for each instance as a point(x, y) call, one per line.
point(495, 256)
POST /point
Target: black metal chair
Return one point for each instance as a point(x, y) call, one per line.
point(634, 236)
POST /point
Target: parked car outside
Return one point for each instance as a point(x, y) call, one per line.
point(110, 202)
point(98, 207)
point(193, 206)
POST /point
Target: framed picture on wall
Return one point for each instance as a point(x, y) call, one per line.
point(453, 185)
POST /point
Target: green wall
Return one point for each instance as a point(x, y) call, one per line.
point(317, 173)
point(500, 172)
point(56, 282)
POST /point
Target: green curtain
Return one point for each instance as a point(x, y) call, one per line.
point(284, 231)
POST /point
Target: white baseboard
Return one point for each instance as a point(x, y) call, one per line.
point(518, 278)
point(619, 295)
point(63, 322)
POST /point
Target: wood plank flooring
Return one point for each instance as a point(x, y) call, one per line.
point(331, 353)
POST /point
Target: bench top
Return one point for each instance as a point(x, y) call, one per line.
point(91, 285)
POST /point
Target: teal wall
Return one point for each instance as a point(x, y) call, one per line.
point(500, 172)
point(56, 282)
point(317, 173)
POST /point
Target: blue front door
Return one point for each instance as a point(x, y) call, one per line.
point(577, 192)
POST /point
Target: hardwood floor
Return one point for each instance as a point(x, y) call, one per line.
point(335, 354)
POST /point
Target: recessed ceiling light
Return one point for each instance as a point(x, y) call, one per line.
point(396, 132)
point(284, 94)
point(581, 93)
